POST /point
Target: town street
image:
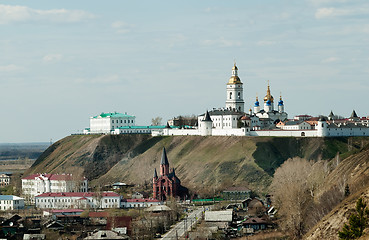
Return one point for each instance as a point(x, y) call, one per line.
point(184, 226)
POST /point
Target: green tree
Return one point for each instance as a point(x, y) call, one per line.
point(347, 190)
point(357, 222)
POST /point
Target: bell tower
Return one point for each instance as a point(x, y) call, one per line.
point(235, 92)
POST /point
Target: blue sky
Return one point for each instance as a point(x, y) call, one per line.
point(64, 61)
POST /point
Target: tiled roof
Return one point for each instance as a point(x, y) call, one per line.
point(222, 112)
point(79, 194)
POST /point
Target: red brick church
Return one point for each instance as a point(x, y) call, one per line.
point(167, 184)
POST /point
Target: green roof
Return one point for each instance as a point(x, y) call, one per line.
point(114, 114)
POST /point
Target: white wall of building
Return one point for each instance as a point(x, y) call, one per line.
point(41, 183)
point(77, 200)
point(10, 202)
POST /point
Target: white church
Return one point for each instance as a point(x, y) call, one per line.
point(234, 121)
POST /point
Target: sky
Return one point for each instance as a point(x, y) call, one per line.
point(64, 61)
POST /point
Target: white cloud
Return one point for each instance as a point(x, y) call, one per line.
point(339, 12)
point(11, 14)
point(121, 27)
point(222, 42)
point(330, 60)
point(52, 57)
point(325, 2)
point(265, 43)
point(9, 68)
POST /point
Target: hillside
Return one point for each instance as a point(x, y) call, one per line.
point(354, 170)
point(202, 163)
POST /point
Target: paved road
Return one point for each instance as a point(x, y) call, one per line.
point(184, 226)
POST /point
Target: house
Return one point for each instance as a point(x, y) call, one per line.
point(78, 200)
point(10, 202)
point(140, 203)
point(5, 179)
point(120, 224)
point(256, 223)
point(105, 234)
point(37, 184)
point(222, 219)
point(236, 193)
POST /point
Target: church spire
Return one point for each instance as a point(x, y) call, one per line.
point(164, 164)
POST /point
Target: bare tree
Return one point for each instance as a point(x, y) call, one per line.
point(156, 121)
point(292, 194)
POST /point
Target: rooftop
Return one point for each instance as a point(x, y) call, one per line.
point(79, 194)
point(113, 114)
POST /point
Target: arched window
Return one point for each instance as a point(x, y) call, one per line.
point(239, 95)
point(230, 95)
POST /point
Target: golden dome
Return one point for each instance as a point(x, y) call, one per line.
point(268, 96)
point(234, 80)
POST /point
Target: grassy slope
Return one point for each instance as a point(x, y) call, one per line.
point(202, 163)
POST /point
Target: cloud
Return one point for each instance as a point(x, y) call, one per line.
point(9, 68)
point(12, 14)
point(222, 42)
point(325, 2)
point(121, 27)
point(52, 57)
point(330, 60)
point(265, 43)
point(340, 12)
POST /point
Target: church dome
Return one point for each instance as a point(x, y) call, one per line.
point(234, 80)
point(269, 103)
point(268, 96)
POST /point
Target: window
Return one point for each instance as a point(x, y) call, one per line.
point(230, 95)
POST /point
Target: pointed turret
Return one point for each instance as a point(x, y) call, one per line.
point(155, 174)
point(353, 114)
point(207, 117)
point(331, 116)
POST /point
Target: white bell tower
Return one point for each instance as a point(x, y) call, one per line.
point(235, 92)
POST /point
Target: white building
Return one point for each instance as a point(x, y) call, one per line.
point(105, 123)
point(4, 179)
point(10, 202)
point(82, 200)
point(140, 203)
point(36, 184)
point(233, 121)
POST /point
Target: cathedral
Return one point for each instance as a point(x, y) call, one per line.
point(167, 184)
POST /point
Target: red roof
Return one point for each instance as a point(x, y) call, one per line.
point(50, 176)
point(98, 214)
point(141, 200)
point(79, 194)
